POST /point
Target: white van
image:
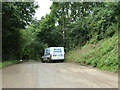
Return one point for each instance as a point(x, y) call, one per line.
point(53, 54)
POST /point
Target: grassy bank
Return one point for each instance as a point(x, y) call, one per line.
point(103, 55)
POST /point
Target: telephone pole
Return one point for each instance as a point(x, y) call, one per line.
point(63, 27)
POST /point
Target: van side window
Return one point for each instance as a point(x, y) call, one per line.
point(47, 52)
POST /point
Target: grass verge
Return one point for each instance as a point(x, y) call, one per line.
point(11, 62)
point(7, 63)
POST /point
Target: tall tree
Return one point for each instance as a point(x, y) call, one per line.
point(15, 16)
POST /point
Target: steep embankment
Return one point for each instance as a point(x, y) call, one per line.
point(103, 55)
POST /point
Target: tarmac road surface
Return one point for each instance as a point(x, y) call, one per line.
point(56, 75)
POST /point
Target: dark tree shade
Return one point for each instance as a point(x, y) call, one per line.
point(15, 16)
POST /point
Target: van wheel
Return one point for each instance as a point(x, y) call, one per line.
point(49, 61)
point(43, 61)
point(61, 61)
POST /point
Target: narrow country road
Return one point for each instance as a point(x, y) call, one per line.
point(56, 75)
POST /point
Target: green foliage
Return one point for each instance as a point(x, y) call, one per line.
point(15, 16)
point(88, 28)
point(103, 55)
point(81, 22)
point(31, 46)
